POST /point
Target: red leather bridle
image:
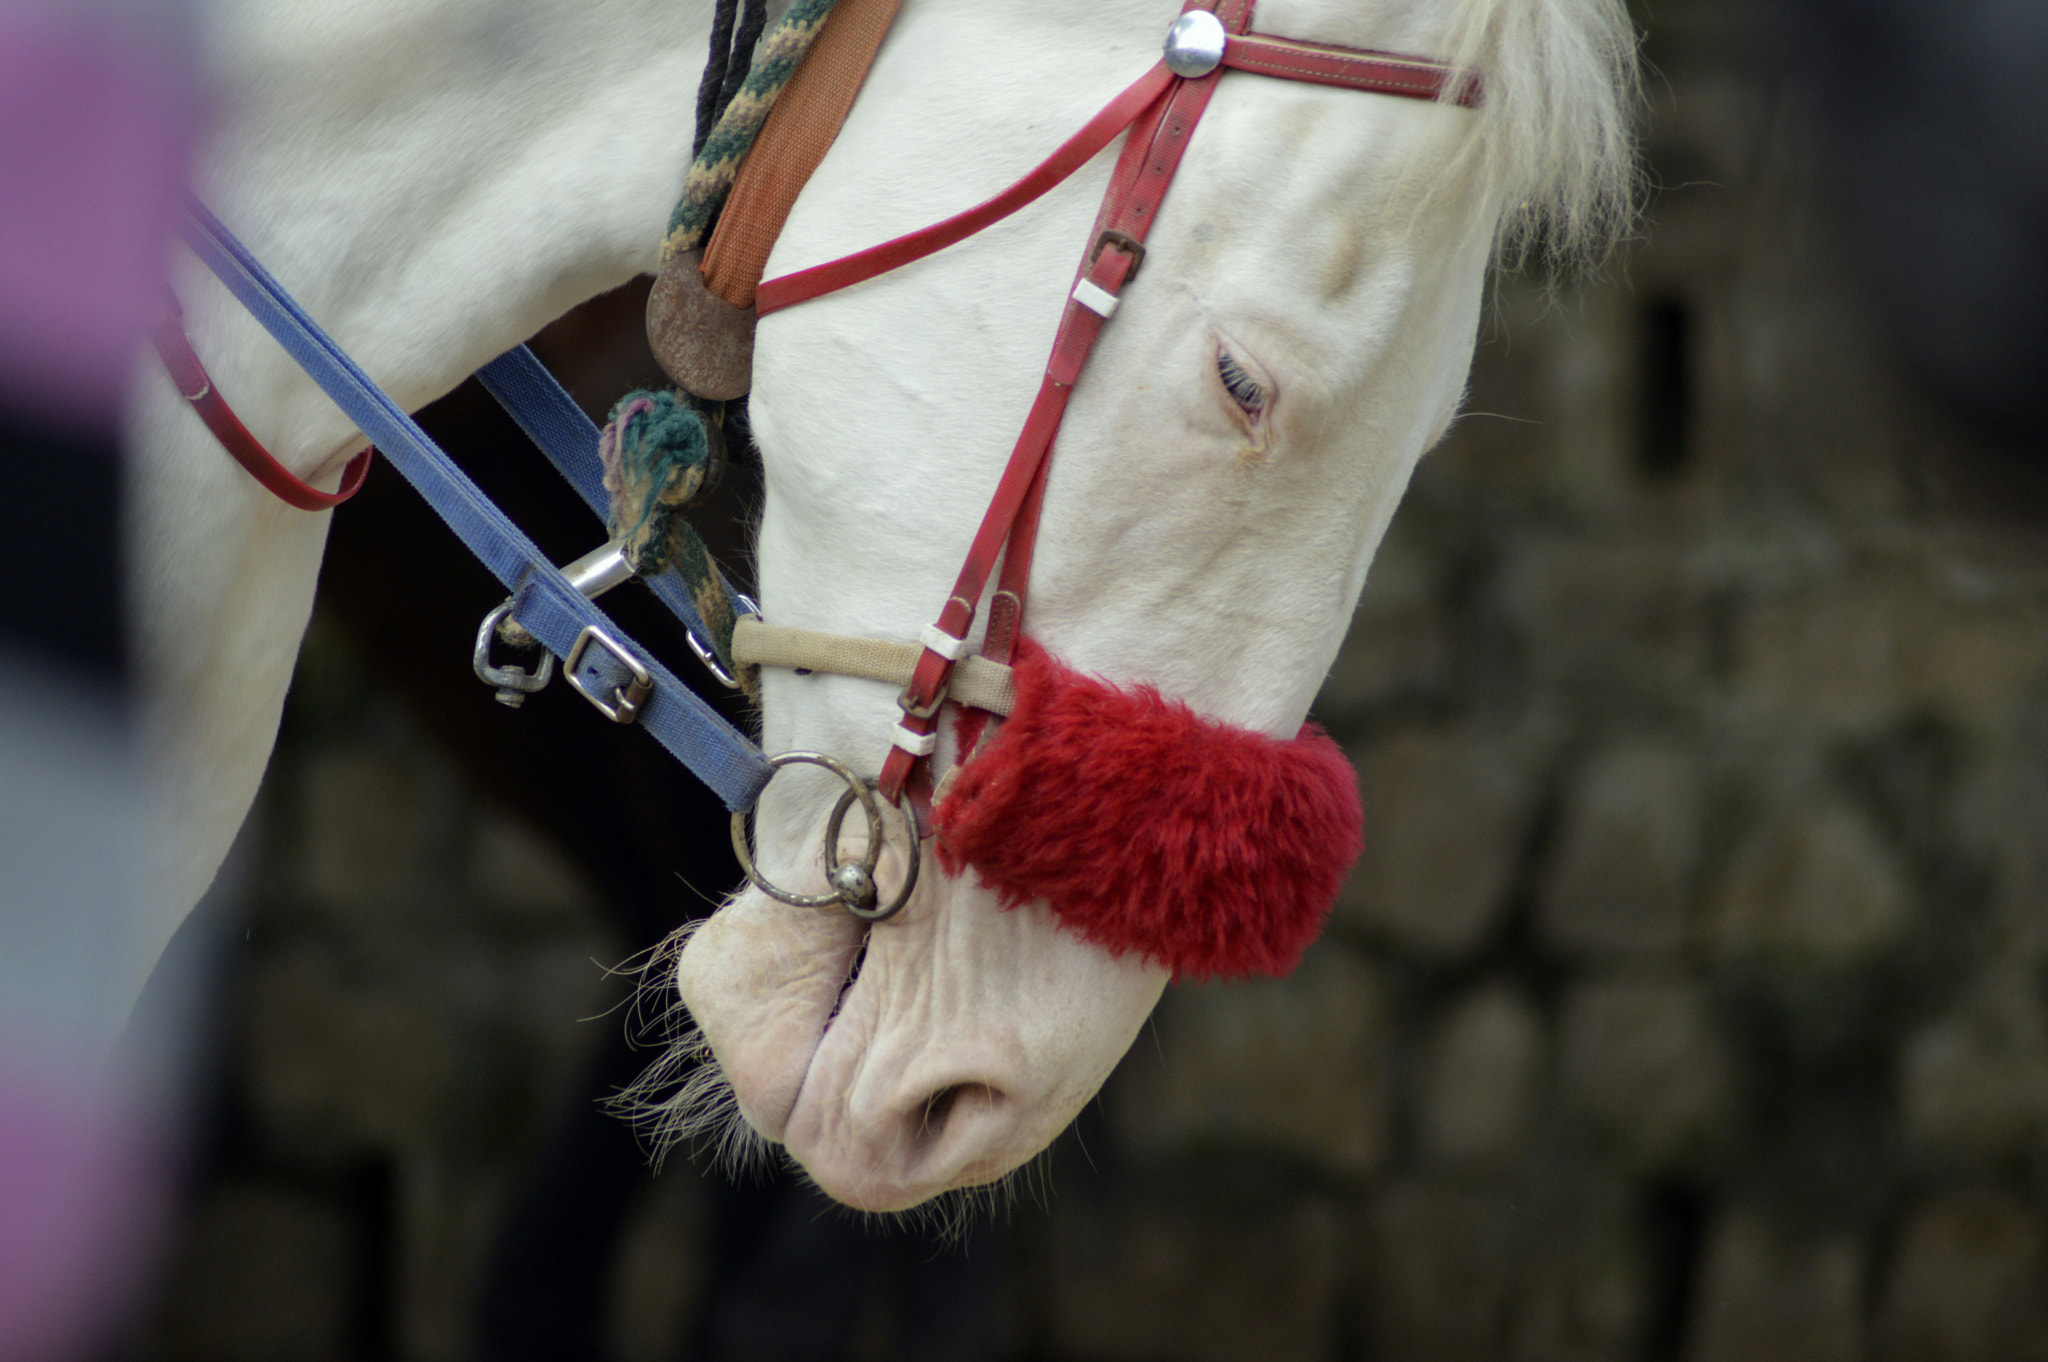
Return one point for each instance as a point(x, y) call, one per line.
point(1160, 110)
point(195, 385)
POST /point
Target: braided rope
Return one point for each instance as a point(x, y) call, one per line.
point(711, 89)
point(711, 174)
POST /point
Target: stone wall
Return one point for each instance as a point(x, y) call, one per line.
point(1688, 1002)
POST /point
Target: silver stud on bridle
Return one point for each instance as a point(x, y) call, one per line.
point(1195, 43)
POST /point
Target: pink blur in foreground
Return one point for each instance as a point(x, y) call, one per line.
point(78, 1206)
point(94, 148)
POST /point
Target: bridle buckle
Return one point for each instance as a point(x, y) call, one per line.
point(1124, 242)
point(913, 710)
point(622, 705)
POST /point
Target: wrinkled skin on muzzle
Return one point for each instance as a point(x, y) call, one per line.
point(970, 1038)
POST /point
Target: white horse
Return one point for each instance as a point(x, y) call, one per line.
point(437, 179)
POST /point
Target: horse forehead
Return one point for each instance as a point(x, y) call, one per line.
point(1310, 178)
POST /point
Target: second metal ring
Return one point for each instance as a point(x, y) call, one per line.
point(853, 882)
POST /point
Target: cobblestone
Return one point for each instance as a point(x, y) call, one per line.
point(1296, 1067)
point(1151, 1282)
point(1975, 1082)
point(1820, 886)
point(1621, 880)
point(265, 1273)
point(1629, 608)
point(1967, 1282)
point(1440, 1278)
point(1641, 1060)
point(1769, 1296)
point(1889, 638)
point(366, 830)
point(341, 1065)
point(1484, 1070)
point(1445, 816)
point(1398, 645)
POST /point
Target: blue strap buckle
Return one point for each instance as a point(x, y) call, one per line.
point(618, 690)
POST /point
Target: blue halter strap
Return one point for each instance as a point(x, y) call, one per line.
point(598, 658)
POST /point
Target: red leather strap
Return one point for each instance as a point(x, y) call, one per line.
point(1137, 188)
point(789, 289)
point(1143, 174)
point(1383, 73)
point(195, 385)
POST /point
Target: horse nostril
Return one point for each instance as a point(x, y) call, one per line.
point(941, 1105)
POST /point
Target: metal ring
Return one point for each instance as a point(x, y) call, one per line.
point(872, 912)
point(855, 902)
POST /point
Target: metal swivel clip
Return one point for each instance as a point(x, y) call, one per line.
point(593, 574)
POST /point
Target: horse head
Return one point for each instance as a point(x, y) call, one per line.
point(1232, 454)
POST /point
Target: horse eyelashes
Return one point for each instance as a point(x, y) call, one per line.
point(1242, 387)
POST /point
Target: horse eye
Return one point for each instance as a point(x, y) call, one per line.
point(1242, 387)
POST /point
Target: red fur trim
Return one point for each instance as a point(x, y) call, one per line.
point(1213, 850)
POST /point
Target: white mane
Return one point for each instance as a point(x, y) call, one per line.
point(1556, 139)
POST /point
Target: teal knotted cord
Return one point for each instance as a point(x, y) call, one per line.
point(657, 455)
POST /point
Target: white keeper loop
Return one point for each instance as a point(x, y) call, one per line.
point(916, 744)
point(1095, 298)
point(943, 643)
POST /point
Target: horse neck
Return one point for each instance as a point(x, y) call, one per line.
point(437, 179)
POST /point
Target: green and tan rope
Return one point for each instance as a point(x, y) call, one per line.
point(711, 174)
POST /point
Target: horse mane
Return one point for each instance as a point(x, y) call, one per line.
point(1557, 144)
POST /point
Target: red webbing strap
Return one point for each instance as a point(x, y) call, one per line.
point(789, 289)
point(1144, 172)
point(1383, 73)
point(1151, 158)
point(1006, 607)
point(922, 697)
point(195, 385)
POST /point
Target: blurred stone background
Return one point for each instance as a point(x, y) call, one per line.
point(1688, 1004)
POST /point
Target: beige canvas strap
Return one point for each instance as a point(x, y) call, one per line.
point(798, 133)
point(977, 682)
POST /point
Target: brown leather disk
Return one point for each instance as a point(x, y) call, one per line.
point(703, 342)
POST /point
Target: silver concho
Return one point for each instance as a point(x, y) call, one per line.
point(1194, 45)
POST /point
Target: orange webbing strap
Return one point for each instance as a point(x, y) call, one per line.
point(798, 133)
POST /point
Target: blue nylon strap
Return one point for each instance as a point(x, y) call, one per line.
point(551, 419)
point(551, 609)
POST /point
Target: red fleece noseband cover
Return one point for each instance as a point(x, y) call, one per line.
point(1214, 850)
